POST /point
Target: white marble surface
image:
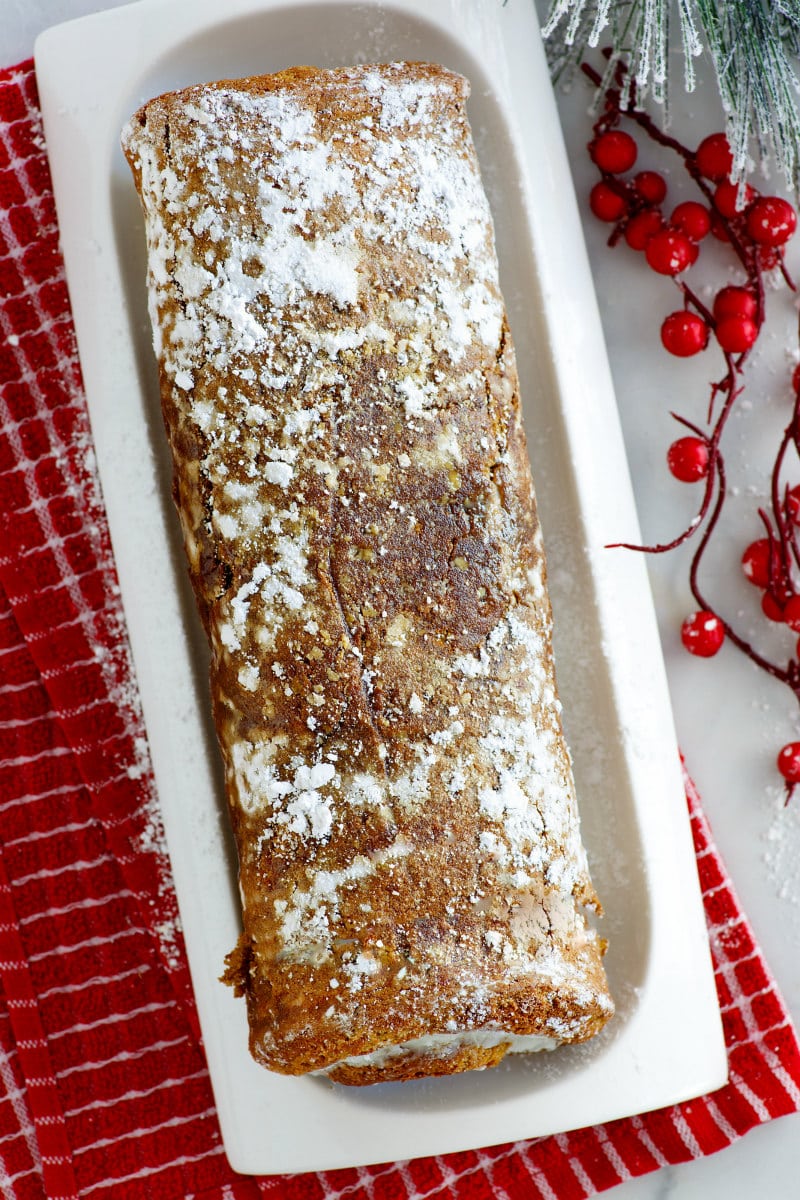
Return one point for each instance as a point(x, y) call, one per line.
point(731, 719)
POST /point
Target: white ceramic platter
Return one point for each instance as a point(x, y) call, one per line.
point(665, 1043)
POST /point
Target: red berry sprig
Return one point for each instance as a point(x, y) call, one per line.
point(703, 633)
point(756, 228)
point(789, 763)
point(650, 186)
point(641, 227)
point(669, 251)
point(688, 459)
point(771, 221)
point(692, 219)
point(759, 561)
point(614, 151)
point(713, 157)
point(606, 203)
point(683, 333)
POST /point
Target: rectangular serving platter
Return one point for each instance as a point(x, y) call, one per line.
point(665, 1044)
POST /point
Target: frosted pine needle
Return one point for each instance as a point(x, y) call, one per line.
point(754, 46)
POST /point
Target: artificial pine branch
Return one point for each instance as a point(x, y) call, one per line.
point(754, 45)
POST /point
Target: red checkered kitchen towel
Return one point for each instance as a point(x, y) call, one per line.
point(105, 1090)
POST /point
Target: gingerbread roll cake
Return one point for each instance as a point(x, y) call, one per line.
point(341, 399)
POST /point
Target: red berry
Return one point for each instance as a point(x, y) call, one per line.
point(789, 762)
point(651, 186)
point(684, 333)
point(734, 302)
point(726, 198)
point(793, 505)
point(641, 228)
point(713, 157)
point(703, 633)
point(755, 562)
point(687, 459)
point(771, 221)
point(669, 252)
point(736, 334)
point(693, 219)
point(791, 613)
point(771, 607)
point(614, 151)
point(606, 204)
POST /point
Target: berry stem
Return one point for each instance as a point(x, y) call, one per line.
point(692, 298)
point(779, 673)
point(785, 537)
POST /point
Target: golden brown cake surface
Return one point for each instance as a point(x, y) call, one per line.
point(341, 398)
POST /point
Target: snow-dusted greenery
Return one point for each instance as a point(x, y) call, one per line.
point(754, 45)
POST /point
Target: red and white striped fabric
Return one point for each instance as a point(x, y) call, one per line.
point(104, 1085)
